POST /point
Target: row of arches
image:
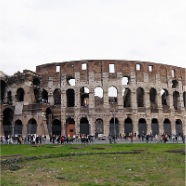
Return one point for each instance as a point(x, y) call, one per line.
point(113, 97)
point(42, 96)
point(84, 127)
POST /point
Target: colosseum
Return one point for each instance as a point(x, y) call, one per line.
point(109, 97)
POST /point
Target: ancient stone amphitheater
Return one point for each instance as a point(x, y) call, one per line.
point(109, 97)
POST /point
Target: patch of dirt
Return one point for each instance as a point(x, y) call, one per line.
point(11, 156)
point(179, 151)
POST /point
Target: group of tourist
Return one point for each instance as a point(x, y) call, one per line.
point(82, 138)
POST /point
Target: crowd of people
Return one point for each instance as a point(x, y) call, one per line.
point(85, 139)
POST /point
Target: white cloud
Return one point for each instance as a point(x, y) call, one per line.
point(34, 32)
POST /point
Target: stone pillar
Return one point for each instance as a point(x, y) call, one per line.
point(135, 125)
point(147, 99)
point(149, 129)
point(133, 100)
point(1, 126)
point(91, 98)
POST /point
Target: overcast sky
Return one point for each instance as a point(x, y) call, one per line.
point(35, 32)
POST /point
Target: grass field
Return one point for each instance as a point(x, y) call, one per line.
point(93, 165)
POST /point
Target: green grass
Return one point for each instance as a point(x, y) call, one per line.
point(153, 165)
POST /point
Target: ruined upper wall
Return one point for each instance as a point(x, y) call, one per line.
point(100, 67)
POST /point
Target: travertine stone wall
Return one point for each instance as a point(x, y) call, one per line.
point(92, 74)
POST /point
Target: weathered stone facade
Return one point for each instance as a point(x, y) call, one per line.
point(94, 97)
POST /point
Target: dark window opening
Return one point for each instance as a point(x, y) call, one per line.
point(45, 96)
point(20, 94)
point(176, 100)
point(174, 84)
point(70, 98)
point(127, 98)
point(57, 97)
point(140, 97)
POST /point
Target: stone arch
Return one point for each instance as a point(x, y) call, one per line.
point(167, 126)
point(18, 127)
point(32, 127)
point(44, 96)
point(2, 91)
point(84, 96)
point(70, 127)
point(127, 97)
point(98, 96)
point(71, 81)
point(8, 115)
point(112, 94)
point(174, 84)
point(56, 127)
point(99, 127)
point(140, 97)
point(57, 96)
point(154, 126)
point(70, 97)
point(176, 100)
point(128, 126)
point(114, 127)
point(142, 126)
point(153, 97)
point(164, 97)
point(20, 94)
point(125, 80)
point(36, 82)
point(179, 128)
point(84, 126)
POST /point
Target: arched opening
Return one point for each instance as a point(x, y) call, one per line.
point(164, 97)
point(2, 91)
point(112, 94)
point(114, 128)
point(7, 121)
point(98, 96)
point(99, 127)
point(71, 81)
point(142, 126)
point(20, 94)
point(56, 127)
point(36, 82)
point(44, 96)
point(125, 80)
point(174, 84)
point(167, 127)
point(36, 94)
point(84, 93)
point(70, 98)
point(70, 127)
point(84, 126)
point(57, 97)
point(155, 127)
point(153, 97)
point(18, 127)
point(126, 97)
point(49, 118)
point(179, 129)
point(176, 100)
point(128, 126)
point(140, 97)
point(32, 127)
